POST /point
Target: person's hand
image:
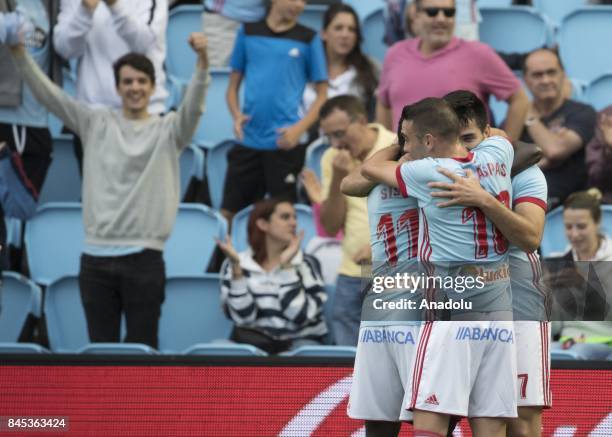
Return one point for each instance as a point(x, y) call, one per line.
point(363, 256)
point(91, 5)
point(239, 121)
point(288, 137)
point(343, 163)
point(312, 186)
point(228, 250)
point(291, 250)
point(199, 44)
point(605, 126)
point(463, 191)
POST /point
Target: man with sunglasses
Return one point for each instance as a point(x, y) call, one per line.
point(436, 63)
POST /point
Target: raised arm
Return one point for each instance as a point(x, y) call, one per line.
point(381, 167)
point(74, 22)
point(355, 185)
point(518, 104)
point(145, 27)
point(236, 295)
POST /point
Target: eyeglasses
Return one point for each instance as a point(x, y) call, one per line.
point(433, 12)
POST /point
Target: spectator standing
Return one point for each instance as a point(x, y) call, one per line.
point(276, 57)
point(560, 126)
point(599, 156)
point(272, 291)
point(130, 189)
point(436, 63)
point(344, 120)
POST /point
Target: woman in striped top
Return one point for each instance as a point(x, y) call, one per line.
point(273, 291)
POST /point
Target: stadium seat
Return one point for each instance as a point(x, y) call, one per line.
point(328, 251)
point(313, 16)
point(63, 180)
point(328, 308)
point(191, 165)
point(322, 351)
point(554, 241)
point(516, 29)
point(557, 10)
point(216, 124)
point(54, 240)
point(18, 298)
point(225, 349)
point(216, 168)
point(581, 42)
point(182, 21)
point(192, 241)
point(373, 30)
point(192, 313)
point(65, 316)
point(314, 153)
point(599, 92)
point(365, 8)
point(117, 349)
point(494, 3)
point(563, 355)
point(305, 221)
point(22, 348)
point(13, 231)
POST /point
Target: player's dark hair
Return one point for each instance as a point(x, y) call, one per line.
point(589, 200)
point(543, 49)
point(468, 107)
point(257, 238)
point(136, 61)
point(431, 116)
point(350, 104)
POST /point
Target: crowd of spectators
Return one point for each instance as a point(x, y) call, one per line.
point(299, 84)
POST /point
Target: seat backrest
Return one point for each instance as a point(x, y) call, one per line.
point(183, 20)
point(494, 3)
point(13, 231)
point(54, 240)
point(312, 16)
point(328, 251)
point(322, 351)
point(192, 241)
point(65, 316)
point(515, 29)
point(314, 153)
point(63, 180)
point(22, 348)
point(191, 313)
point(556, 10)
point(581, 40)
point(225, 349)
point(191, 165)
point(373, 30)
point(305, 221)
point(18, 298)
point(117, 349)
point(216, 168)
point(599, 92)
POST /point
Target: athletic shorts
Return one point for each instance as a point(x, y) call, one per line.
point(533, 363)
point(465, 368)
point(382, 372)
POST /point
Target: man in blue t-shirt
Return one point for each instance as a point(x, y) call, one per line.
point(277, 57)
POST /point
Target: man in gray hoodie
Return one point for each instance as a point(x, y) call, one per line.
point(130, 189)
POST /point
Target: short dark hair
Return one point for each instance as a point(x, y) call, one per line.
point(431, 116)
point(468, 107)
point(543, 49)
point(136, 61)
point(350, 104)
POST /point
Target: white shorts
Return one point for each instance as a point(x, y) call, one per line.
point(465, 368)
point(533, 363)
point(382, 372)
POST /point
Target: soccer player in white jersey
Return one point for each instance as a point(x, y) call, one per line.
point(524, 227)
point(468, 368)
point(387, 334)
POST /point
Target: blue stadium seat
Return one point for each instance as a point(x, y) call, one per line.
point(329, 253)
point(191, 165)
point(192, 313)
point(554, 240)
point(305, 221)
point(322, 351)
point(22, 348)
point(18, 298)
point(216, 124)
point(225, 349)
point(599, 92)
point(365, 8)
point(581, 39)
point(117, 349)
point(516, 29)
point(54, 241)
point(216, 168)
point(328, 311)
point(192, 241)
point(65, 316)
point(494, 3)
point(313, 16)
point(563, 355)
point(556, 10)
point(180, 58)
point(314, 153)
point(373, 30)
point(63, 180)
point(13, 231)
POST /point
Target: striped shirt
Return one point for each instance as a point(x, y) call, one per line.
point(284, 303)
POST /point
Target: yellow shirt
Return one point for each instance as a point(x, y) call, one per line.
point(356, 230)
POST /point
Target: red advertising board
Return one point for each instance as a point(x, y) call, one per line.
point(239, 400)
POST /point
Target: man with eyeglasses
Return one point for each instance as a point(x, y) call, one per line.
point(345, 122)
point(437, 63)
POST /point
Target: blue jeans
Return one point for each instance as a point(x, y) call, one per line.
point(347, 310)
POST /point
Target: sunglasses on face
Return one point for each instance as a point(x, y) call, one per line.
point(433, 12)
